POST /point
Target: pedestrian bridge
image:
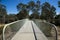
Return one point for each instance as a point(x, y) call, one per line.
point(29, 30)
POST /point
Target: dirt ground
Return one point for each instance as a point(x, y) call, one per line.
point(58, 28)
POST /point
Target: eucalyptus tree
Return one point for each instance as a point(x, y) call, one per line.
point(34, 15)
point(30, 6)
point(58, 3)
point(3, 12)
point(57, 20)
point(34, 7)
point(48, 11)
point(2, 8)
point(23, 11)
point(11, 17)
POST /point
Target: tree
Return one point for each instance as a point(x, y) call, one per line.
point(23, 11)
point(57, 20)
point(58, 3)
point(34, 15)
point(31, 6)
point(21, 6)
point(34, 7)
point(11, 18)
point(22, 14)
point(3, 9)
point(48, 11)
point(3, 12)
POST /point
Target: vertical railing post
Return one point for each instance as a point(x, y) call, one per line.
point(56, 32)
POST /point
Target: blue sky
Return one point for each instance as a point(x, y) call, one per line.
point(11, 5)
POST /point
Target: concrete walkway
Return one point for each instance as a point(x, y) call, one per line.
point(26, 32)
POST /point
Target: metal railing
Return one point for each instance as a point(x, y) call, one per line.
point(11, 29)
point(55, 30)
point(45, 26)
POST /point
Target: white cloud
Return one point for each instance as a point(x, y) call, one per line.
point(57, 13)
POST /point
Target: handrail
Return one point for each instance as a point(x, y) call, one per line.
point(8, 25)
point(55, 30)
point(52, 25)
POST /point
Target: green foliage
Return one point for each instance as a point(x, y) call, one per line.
point(31, 4)
point(11, 18)
point(57, 20)
point(48, 12)
point(35, 7)
point(34, 16)
point(57, 16)
point(58, 3)
point(2, 9)
point(24, 9)
point(22, 14)
point(3, 13)
point(21, 6)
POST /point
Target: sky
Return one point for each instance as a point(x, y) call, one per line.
point(12, 9)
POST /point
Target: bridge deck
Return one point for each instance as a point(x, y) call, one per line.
point(26, 32)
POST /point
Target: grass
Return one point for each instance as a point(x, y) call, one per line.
point(1, 28)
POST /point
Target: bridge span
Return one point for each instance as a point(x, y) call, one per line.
point(23, 30)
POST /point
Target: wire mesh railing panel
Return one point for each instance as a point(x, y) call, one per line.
point(48, 29)
point(11, 29)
